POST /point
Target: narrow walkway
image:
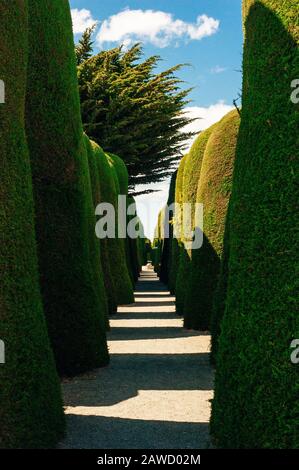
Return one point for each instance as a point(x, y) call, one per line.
point(156, 391)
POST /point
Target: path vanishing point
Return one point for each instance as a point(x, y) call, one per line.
point(156, 392)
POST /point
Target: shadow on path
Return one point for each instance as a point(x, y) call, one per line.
point(155, 393)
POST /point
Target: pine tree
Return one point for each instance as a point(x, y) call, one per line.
point(132, 111)
point(85, 46)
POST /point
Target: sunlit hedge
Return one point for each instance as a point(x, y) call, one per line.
point(256, 397)
point(31, 413)
point(72, 289)
point(213, 191)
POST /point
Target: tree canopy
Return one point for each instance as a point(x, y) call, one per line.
point(84, 47)
point(131, 110)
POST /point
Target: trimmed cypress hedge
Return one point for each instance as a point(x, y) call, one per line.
point(143, 249)
point(122, 282)
point(98, 260)
point(158, 242)
point(108, 245)
point(73, 294)
point(133, 246)
point(104, 251)
point(256, 398)
point(219, 297)
point(166, 252)
point(190, 183)
point(31, 413)
point(123, 179)
point(176, 240)
point(213, 192)
point(179, 232)
point(122, 173)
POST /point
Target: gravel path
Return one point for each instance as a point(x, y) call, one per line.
point(155, 393)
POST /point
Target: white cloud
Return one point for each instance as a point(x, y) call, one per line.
point(156, 27)
point(82, 19)
point(218, 69)
point(207, 117)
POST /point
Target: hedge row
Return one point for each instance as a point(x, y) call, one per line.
point(213, 191)
point(256, 398)
point(59, 282)
point(242, 283)
point(166, 268)
point(186, 269)
point(203, 177)
point(30, 403)
point(70, 276)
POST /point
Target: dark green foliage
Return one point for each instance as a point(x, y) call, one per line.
point(117, 182)
point(158, 242)
point(122, 173)
point(213, 192)
point(133, 245)
point(31, 413)
point(166, 252)
point(178, 228)
point(97, 258)
point(98, 155)
point(143, 250)
point(190, 184)
point(176, 246)
point(122, 185)
point(72, 290)
point(134, 112)
point(219, 297)
point(182, 280)
point(85, 46)
point(108, 245)
point(256, 398)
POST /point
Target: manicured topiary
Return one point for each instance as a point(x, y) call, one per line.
point(107, 195)
point(97, 258)
point(166, 252)
point(176, 244)
point(143, 248)
point(256, 398)
point(73, 296)
point(31, 413)
point(98, 155)
point(213, 192)
point(183, 269)
point(128, 244)
point(190, 183)
point(122, 282)
point(158, 242)
point(122, 173)
point(132, 244)
point(219, 297)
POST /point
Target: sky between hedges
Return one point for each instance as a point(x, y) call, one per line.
point(204, 33)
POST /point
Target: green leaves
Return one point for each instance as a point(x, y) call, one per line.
point(130, 110)
point(83, 50)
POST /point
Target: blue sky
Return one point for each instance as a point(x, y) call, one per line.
point(212, 44)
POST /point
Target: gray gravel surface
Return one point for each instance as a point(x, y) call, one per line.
point(156, 392)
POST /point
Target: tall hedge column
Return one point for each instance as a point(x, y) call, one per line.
point(213, 191)
point(256, 398)
point(74, 302)
point(31, 413)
